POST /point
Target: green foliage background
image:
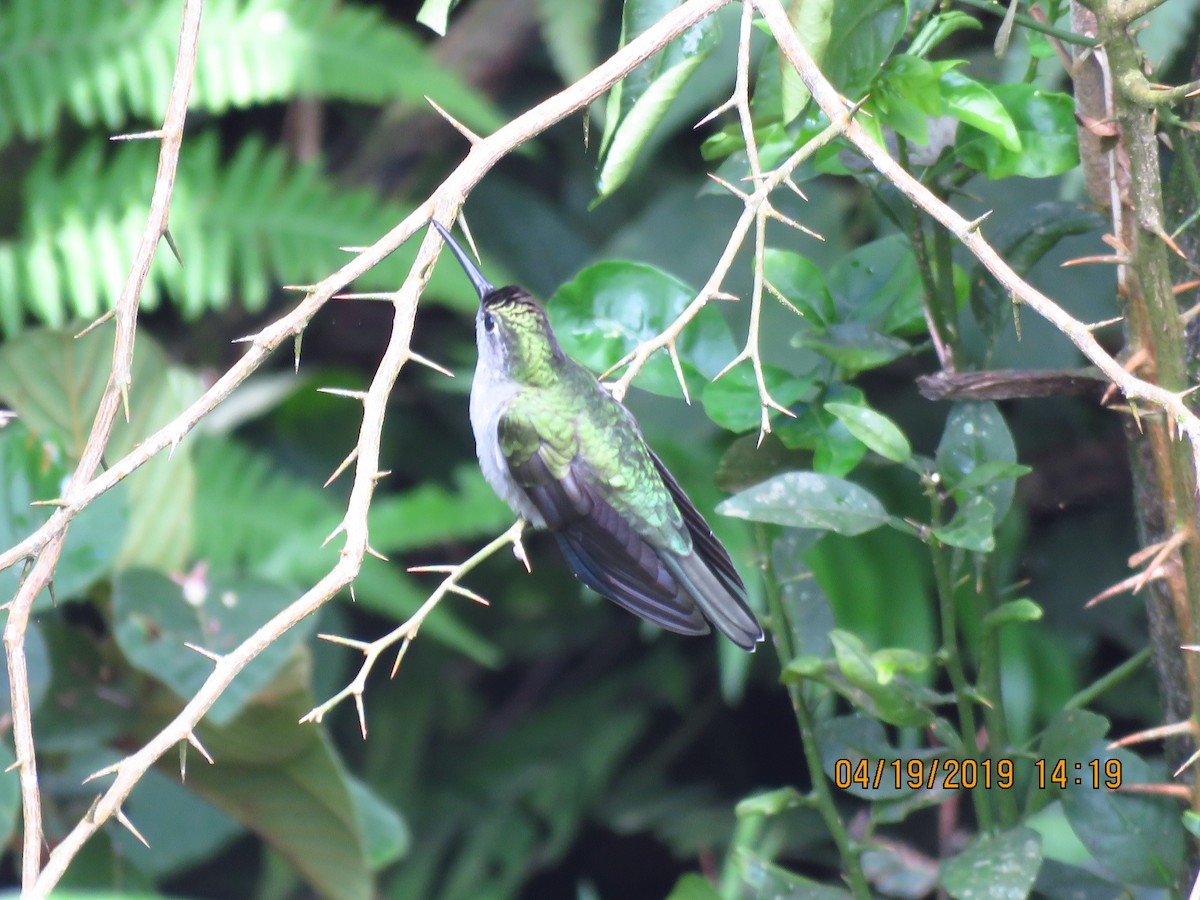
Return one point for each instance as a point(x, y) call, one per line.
point(923, 602)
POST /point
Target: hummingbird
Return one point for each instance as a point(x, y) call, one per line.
point(567, 456)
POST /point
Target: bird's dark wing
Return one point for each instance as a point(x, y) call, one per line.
point(601, 546)
point(708, 573)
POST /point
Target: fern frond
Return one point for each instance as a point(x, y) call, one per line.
point(106, 61)
point(243, 226)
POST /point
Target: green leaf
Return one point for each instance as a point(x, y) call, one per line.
point(693, 886)
point(1070, 736)
point(799, 279)
point(863, 33)
point(998, 867)
point(1045, 124)
point(282, 780)
point(808, 500)
point(733, 400)
point(904, 95)
point(1013, 612)
point(862, 742)
point(36, 469)
point(853, 346)
point(771, 803)
point(974, 104)
point(812, 22)
point(874, 688)
point(972, 526)
point(1137, 837)
point(384, 830)
point(638, 104)
point(153, 618)
point(874, 429)
point(939, 27)
point(975, 434)
point(611, 307)
point(878, 284)
point(989, 473)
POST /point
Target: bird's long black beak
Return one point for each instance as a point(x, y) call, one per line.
point(482, 286)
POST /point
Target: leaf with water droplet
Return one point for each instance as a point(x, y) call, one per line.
point(809, 500)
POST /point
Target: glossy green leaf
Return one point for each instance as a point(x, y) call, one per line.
point(862, 740)
point(996, 867)
point(435, 15)
point(799, 280)
point(874, 429)
point(1135, 836)
point(904, 95)
point(972, 526)
point(976, 433)
point(762, 878)
point(1045, 124)
point(1070, 736)
point(153, 618)
point(874, 688)
point(733, 400)
point(808, 500)
point(611, 307)
point(974, 104)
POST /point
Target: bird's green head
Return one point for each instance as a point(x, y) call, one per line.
point(512, 329)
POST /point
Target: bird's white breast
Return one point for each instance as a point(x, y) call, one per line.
point(489, 397)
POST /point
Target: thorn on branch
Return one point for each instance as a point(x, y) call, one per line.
point(124, 820)
point(389, 296)
point(344, 392)
point(207, 654)
point(340, 528)
point(300, 288)
point(404, 645)
point(458, 126)
point(429, 363)
point(974, 224)
point(156, 135)
point(345, 464)
point(97, 323)
point(170, 239)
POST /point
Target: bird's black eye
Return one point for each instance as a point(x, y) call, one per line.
point(489, 322)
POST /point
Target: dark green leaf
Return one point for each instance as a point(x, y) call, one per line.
point(904, 95)
point(999, 867)
point(878, 284)
point(1137, 837)
point(972, 526)
point(10, 794)
point(693, 887)
point(611, 307)
point(762, 878)
point(975, 434)
point(1045, 124)
point(385, 833)
point(862, 742)
point(939, 27)
point(808, 500)
point(154, 617)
